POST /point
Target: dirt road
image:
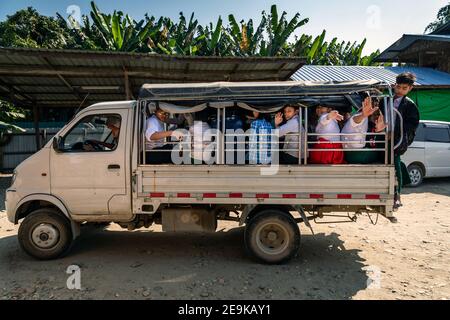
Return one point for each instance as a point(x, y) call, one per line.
point(407, 260)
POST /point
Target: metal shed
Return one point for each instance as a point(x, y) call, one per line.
point(40, 79)
point(431, 93)
point(45, 77)
point(429, 50)
point(426, 78)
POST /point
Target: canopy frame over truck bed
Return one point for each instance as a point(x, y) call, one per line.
point(317, 188)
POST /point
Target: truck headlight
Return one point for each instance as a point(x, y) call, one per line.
point(13, 179)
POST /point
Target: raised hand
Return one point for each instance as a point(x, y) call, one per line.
point(278, 119)
point(334, 115)
point(367, 108)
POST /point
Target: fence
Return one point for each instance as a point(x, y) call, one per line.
point(20, 146)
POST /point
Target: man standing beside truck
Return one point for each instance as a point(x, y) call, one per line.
point(410, 114)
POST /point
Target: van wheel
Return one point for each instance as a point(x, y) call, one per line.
point(45, 234)
point(416, 175)
point(272, 237)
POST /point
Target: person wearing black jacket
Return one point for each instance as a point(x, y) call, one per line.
point(411, 117)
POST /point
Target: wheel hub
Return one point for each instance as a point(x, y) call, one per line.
point(415, 176)
point(45, 236)
point(272, 238)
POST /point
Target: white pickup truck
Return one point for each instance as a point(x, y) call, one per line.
point(83, 176)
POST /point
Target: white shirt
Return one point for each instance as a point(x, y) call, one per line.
point(291, 142)
point(200, 140)
point(153, 125)
point(326, 126)
point(397, 103)
point(352, 127)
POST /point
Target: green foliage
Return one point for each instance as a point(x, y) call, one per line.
point(121, 33)
point(9, 113)
point(443, 17)
point(27, 28)
point(279, 30)
point(244, 39)
point(272, 36)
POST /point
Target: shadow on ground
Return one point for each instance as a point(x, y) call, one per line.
point(439, 186)
point(183, 266)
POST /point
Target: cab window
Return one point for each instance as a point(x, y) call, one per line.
point(94, 133)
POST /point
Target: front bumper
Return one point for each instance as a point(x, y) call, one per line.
point(12, 198)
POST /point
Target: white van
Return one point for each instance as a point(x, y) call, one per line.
point(89, 175)
point(429, 155)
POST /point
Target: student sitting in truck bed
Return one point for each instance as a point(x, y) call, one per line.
point(368, 120)
point(157, 151)
point(327, 125)
point(290, 131)
point(202, 148)
point(260, 140)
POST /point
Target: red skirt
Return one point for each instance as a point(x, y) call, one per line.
point(327, 157)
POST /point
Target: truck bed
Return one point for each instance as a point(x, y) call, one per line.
point(364, 185)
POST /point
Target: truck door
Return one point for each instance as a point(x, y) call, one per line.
point(88, 171)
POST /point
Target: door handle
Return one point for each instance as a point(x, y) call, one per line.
point(113, 167)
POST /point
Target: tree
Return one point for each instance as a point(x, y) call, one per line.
point(244, 38)
point(27, 28)
point(443, 17)
point(279, 30)
point(121, 33)
point(117, 31)
point(9, 113)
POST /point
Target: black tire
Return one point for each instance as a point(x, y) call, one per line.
point(45, 234)
point(416, 175)
point(277, 250)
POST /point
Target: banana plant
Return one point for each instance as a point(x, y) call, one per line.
point(309, 49)
point(279, 30)
point(244, 38)
point(180, 38)
point(213, 42)
point(121, 33)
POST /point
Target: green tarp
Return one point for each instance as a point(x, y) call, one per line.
point(433, 104)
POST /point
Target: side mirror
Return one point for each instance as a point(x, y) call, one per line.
point(57, 144)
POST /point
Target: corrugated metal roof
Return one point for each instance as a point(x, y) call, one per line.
point(445, 29)
point(406, 41)
point(57, 77)
point(425, 76)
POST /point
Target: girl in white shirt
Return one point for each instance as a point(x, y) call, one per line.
point(328, 130)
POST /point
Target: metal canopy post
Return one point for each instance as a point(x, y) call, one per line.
point(300, 123)
point(306, 137)
point(36, 126)
point(222, 137)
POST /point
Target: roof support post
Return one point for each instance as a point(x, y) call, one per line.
point(127, 84)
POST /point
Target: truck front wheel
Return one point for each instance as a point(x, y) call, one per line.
point(45, 234)
point(272, 237)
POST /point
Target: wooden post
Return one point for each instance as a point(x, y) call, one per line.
point(127, 84)
point(421, 61)
point(36, 126)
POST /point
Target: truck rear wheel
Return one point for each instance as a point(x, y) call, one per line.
point(45, 234)
point(272, 237)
